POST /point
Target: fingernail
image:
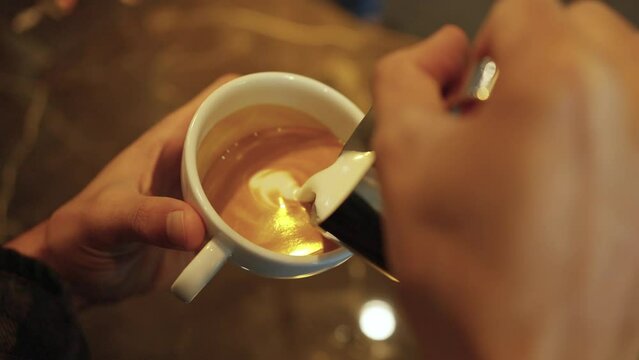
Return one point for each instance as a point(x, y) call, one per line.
point(175, 227)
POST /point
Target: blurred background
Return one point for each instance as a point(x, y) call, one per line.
point(76, 88)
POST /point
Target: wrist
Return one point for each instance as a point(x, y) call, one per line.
point(33, 244)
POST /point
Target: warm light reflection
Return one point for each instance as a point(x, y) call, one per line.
point(306, 249)
point(283, 221)
point(288, 225)
point(483, 94)
point(377, 320)
point(282, 203)
point(488, 78)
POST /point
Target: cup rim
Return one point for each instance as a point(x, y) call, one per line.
point(196, 127)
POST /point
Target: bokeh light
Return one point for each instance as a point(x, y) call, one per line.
point(377, 320)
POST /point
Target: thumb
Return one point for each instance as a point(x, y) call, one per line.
point(165, 222)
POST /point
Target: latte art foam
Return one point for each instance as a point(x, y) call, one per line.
point(271, 187)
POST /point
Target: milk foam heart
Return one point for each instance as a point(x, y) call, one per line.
point(268, 186)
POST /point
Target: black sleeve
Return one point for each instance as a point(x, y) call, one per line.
point(36, 317)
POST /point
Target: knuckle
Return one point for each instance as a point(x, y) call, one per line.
point(515, 27)
point(512, 15)
point(387, 66)
point(587, 7)
point(453, 30)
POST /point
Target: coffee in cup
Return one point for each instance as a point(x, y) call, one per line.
point(257, 158)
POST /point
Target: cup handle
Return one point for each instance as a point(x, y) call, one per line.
point(199, 271)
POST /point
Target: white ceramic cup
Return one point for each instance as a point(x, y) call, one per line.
point(322, 102)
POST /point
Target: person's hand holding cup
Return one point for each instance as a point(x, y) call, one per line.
point(127, 232)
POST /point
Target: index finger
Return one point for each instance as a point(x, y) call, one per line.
point(412, 79)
